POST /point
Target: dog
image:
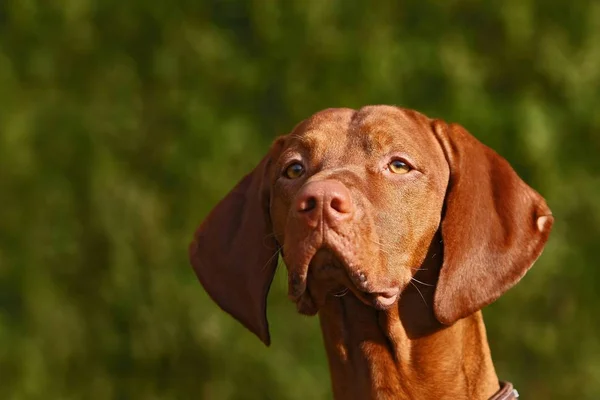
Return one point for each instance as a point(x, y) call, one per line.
point(396, 229)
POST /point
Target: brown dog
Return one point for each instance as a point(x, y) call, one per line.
point(397, 229)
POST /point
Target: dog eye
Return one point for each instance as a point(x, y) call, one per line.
point(398, 167)
point(293, 171)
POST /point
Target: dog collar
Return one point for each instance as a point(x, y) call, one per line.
point(507, 392)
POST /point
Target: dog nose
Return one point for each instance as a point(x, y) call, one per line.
point(327, 199)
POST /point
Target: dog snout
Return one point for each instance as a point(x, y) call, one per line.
point(328, 199)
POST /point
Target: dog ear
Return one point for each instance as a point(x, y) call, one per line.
point(235, 254)
point(494, 226)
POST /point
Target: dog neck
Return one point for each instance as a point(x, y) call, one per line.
point(404, 352)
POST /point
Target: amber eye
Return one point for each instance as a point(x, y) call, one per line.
point(399, 167)
point(294, 171)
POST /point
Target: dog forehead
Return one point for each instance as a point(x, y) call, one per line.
point(326, 125)
point(325, 132)
point(385, 128)
point(369, 130)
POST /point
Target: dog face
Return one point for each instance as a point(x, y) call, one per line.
point(353, 200)
point(356, 198)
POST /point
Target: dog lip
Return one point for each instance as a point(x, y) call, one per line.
point(389, 293)
point(386, 298)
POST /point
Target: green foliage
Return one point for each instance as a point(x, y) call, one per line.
point(123, 123)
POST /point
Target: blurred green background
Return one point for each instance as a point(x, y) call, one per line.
point(123, 122)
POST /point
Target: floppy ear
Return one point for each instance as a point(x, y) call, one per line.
point(235, 254)
point(493, 229)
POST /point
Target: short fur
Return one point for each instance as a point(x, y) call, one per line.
point(396, 265)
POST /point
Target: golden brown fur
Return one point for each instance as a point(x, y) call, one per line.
point(396, 229)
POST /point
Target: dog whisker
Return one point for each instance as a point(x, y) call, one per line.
point(419, 293)
point(386, 251)
point(382, 247)
point(271, 259)
point(422, 283)
point(342, 293)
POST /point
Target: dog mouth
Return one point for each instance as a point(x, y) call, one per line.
point(331, 274)
point(386, 299)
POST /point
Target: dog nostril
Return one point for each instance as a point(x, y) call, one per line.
point(340, 204)
point(308, 205)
